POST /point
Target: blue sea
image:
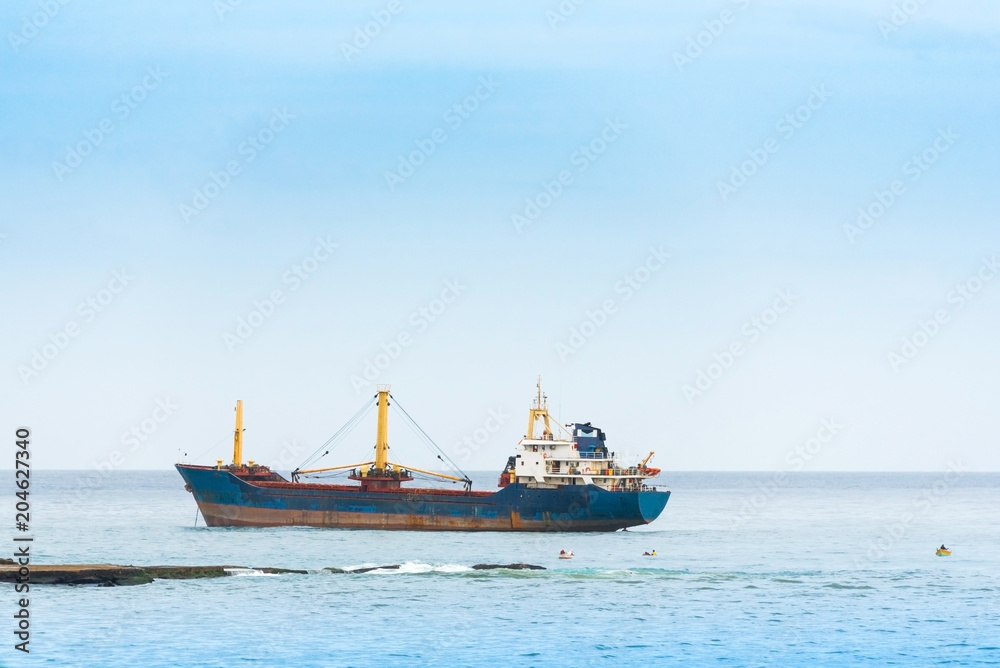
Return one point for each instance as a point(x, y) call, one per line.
point(758, 569)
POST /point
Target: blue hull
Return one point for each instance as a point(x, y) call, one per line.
point(229, 500)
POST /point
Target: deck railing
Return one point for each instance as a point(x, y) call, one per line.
point(551, 469)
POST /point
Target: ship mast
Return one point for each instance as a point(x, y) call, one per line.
point(539, 410)
point(382, 473)
point(382, 431)
point(238, 435)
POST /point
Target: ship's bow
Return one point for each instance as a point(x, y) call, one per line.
point(216, 491)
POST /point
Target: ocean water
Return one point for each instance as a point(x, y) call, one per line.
point(752, 570)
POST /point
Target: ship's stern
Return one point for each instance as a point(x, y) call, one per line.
point(651, 504)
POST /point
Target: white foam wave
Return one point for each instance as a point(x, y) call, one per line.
point(411, 567)
point(249, 573)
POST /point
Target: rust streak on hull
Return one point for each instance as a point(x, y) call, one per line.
point(228, 515)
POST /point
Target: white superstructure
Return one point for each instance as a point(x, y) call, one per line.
point(578, 457)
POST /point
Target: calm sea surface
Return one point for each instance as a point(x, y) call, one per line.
point(808, 569)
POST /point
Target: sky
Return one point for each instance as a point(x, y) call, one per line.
point(754, 235)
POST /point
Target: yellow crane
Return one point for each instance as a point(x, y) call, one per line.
point(381, 470)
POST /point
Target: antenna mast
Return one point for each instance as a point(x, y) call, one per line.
point(539, 410)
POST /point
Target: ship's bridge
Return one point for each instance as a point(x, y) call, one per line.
point(579, 456)
point(589, 441)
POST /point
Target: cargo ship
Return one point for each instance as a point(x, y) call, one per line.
point(566, 481)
